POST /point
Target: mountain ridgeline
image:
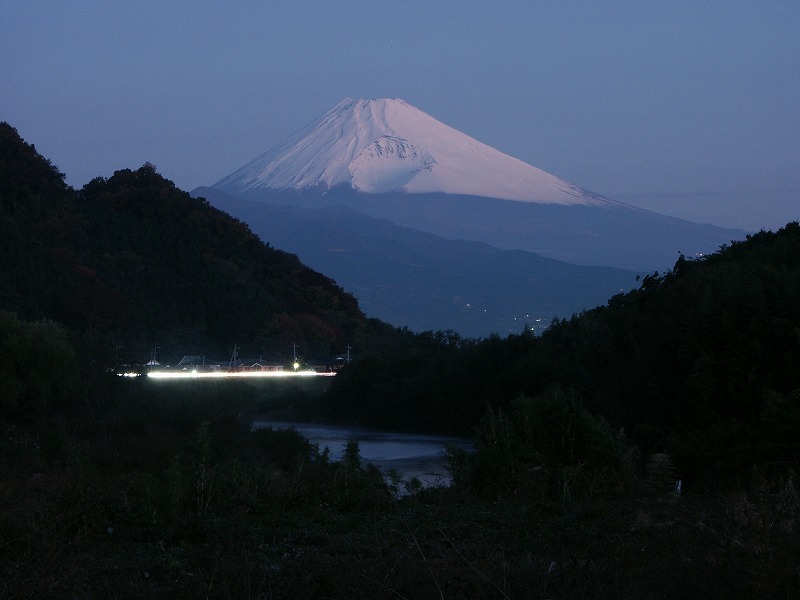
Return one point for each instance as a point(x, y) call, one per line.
point(390, 160)
point(134, 262)
point(433, 229)
point(411, 278)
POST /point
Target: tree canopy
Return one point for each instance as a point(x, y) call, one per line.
point(701, 361)
point(136, 262)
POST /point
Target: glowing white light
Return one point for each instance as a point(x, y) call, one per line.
point(234, 374)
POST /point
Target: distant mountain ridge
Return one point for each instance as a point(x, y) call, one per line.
point(387, 159)
point(424, 281)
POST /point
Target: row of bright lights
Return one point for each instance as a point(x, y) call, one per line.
point(229, 374)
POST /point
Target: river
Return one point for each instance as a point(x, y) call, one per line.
point(410, 455)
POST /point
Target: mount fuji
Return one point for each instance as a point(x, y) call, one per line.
point(379, 146)
point(387, 159)
point(368, 162)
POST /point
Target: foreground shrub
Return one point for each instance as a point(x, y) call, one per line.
point(548, 447)
point(38, 369)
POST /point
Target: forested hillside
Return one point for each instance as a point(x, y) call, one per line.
point(131, 262)
point(702, 362)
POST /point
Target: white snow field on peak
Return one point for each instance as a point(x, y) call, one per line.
point(388, 145)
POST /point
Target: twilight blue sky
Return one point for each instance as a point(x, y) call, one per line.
point(687, 108)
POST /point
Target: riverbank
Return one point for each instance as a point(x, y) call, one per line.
point(408, 456)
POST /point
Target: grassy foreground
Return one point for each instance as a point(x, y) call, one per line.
point(170, 495)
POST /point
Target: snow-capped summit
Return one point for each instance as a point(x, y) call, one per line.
point(385, 159)
point(387, 145)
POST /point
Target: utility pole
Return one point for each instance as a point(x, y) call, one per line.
point(232, 364)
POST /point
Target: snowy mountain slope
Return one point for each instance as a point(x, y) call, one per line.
point(387, 159)
point(387, 145)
